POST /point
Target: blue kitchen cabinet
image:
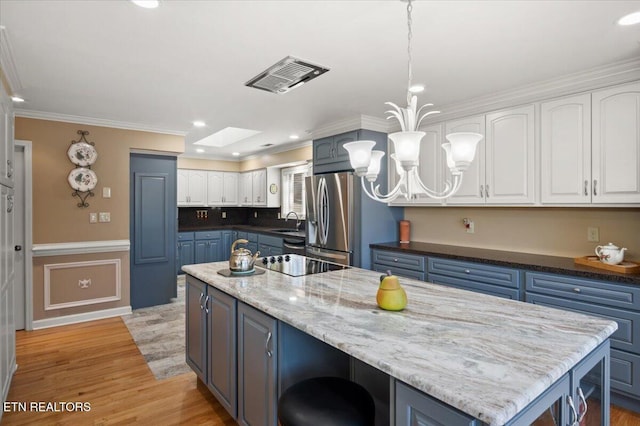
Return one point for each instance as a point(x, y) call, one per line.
point(488, 279)
point(269, 245)
point(208, 246)
point(184, 252)
point(400, 264)
point(228, 237)
point(617, 302)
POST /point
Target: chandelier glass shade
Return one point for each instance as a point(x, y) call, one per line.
point(460, 150)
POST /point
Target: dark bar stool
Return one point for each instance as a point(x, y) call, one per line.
point(326, 401)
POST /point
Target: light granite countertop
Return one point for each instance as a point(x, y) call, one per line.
point(487, 356)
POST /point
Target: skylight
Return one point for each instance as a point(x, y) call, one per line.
point(227, 136)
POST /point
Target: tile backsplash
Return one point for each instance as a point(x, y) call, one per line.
point(204, 217)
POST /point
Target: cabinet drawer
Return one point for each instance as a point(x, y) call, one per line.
point(241, 235)
point(207, 235)
point(488, 274)
point(269, 240)
point(626, 337)
point(415, 408)
point(625, 372)
point(398, 260)
point(185, 236)
point(399, 271)
point(599, 292)
point(490, 289)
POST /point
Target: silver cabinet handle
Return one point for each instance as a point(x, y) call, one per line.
point(574, 415)
point(395, 259)
point(583, 403)
point(586, 187)
point(10, 201)
point(206, 305)
point(481, 190)
point(577, 290)
point(466, 271)
point(200, 301)
point(9, 169)
point(266, 345)
point(595, 189)
point(486, 190)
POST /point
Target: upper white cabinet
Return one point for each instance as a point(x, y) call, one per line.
point(245, 189)
point(222, 188)
point(259, 183)
point(472, 189)
point(260, 188)
point(615, 147)
point(192, 187)
point(565, 150)
point(6, 134)
point(510, 156)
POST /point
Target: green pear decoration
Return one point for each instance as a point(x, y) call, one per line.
point(391, 296)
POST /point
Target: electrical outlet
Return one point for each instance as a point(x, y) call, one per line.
point(593, 234)
point(255, 214)
point(469, 226)
point(104, 217)
point(224, 215)
point(93, 217)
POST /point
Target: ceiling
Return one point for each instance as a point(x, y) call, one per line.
point(160, 69)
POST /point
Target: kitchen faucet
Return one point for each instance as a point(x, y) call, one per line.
point(297, 219)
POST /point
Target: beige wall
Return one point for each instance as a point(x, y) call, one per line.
point(58, 219)
point(201, 164)
point(549, 231)
point(56, 216)
point(295, 155)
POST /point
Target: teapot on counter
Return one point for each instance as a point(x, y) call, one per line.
point(241, 259)
point(610, 254)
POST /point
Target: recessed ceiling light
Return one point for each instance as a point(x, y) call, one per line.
point(416, 88)
point(200, 150)
point(199, 123)
point(147, 4)
point(294, 137)
point(630, 19)
point(17, 99)
point(235, 154)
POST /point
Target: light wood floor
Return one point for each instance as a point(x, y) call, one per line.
point(98, 362)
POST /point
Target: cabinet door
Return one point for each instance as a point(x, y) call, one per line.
point(509, 157)
point(323, 151)
point(565, 169)
point(214, 250)
point(257, 360)
point(341, 155)
point(472, 189)
point(590, 387)
point(414, 408)
point(183, 187)
point(222, 378)
point(6, 139)
point(230, 186)
point(200, 251)
point(259, 179)
point(215, 188)
point(196, 338)
point(227, 240)
point(197, 187)
point(245, 192)
point(185, 254)
point(616, 145)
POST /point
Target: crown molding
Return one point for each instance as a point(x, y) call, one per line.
point(269, 151)
point(594, 78)
point(7, 63)
point(352, 123)
point(91, 121)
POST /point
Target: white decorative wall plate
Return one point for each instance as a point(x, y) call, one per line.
point(82, 179)
point(82, 154)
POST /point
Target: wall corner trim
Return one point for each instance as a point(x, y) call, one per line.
point(79, 247)
point(84, 317)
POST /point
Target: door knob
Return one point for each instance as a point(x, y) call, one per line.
point(18, 248)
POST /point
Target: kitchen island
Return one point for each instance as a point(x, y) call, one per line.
point(487, 357)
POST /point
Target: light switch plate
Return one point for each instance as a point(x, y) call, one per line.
point(106, 192)
point(93, 217)
point(224, 215)
point(104, 217)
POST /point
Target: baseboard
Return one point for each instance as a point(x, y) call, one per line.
point(625, 402)
point(84, 317)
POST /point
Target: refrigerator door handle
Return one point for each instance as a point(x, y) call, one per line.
point(323, 210)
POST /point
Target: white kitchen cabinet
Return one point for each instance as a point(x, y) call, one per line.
point(192, 187)
point(431, 167)
point(6, 134)
point(472, 189)
point(615, 146)
point(259, 183)
point(245, 191)
point(565, 150)
point(222, 188)
point(503, 171)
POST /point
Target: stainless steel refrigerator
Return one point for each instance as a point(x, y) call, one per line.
point(342, 221)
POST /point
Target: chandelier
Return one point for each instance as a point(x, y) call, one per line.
point(460, 149)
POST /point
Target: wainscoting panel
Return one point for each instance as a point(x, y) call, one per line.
point(75, 284)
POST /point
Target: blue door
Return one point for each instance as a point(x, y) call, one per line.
point(153, 229)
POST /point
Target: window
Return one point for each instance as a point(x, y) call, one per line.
point(293, 191)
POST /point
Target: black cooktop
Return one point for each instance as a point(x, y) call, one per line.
point(296, 265)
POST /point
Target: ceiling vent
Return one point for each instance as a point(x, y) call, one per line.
point(286, 75)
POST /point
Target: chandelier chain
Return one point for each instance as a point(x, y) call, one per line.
point(409, 36)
